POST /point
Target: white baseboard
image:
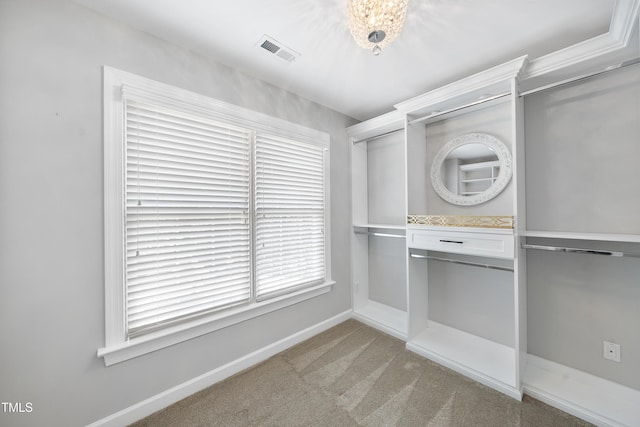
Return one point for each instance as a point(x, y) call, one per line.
point(179, 392)
point(591, 398)
point(594, 399)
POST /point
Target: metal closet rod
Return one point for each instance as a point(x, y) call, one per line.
point(580, 251)
point(358, 141)
point(491, 98)
point(456, 261)
point(462, 107)
point(439, 113)
point(373, 233)
point(582, 77)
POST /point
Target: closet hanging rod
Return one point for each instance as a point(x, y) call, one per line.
point(580, 251)
point(581, 77)
point(358, 141)
point(462, 107)
point(376, 234)
point(456, 261)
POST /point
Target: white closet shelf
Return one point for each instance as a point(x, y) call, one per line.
point(478, 180)
point(383, 317)
point(381, 226)
point(633, 238)
point(485, 361)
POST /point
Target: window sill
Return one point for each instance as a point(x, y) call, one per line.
point(155, 341)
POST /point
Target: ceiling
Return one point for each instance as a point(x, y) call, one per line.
point(442, 41)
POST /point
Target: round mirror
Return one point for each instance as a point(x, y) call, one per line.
point(471, 169)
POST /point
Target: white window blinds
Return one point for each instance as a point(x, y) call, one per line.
point(290, 216)
point(187, 236)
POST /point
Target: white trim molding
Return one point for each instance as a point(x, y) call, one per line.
point(489, 82)
point(594, 399)
point(389, 122)
point(625, 15)
point(600, 51)
point(179, 392)
point(118, 347)
point(135, 347)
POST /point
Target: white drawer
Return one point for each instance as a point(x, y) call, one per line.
point(481, 244)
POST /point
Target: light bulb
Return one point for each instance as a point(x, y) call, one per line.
point(376, 50)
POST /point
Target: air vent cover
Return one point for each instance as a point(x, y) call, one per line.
point(278, 49)
point(271, 47)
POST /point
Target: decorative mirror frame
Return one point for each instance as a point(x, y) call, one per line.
point(504, 176)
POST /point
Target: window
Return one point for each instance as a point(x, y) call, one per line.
point(187, 234)
point(213, 214)
point(289, 215)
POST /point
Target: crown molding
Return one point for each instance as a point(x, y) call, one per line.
point(623, 20)
point(496, 78)
point(389, 122)
point(614, 47)
point(563, 58)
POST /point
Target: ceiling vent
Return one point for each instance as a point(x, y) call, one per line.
point(278, 49)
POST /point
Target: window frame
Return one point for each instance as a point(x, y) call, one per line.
point(115, 82)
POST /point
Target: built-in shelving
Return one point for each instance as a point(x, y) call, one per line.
point(379, 224)
point(477, 177)
point(583, 243)
point(392, 230)
point(475, 355)
point(383, 317)
point(498, 358)
point(487, 102)
point(486, 361)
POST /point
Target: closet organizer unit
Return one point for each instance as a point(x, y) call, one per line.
point(453, 289)
point(583, 244)
point(466, 282)
point(538, 280)
point(378, 251)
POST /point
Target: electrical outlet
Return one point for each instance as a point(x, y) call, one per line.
point(611, 351)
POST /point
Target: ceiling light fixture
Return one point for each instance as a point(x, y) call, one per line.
point(376, 23)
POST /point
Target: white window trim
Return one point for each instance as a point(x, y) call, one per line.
point(117, 348)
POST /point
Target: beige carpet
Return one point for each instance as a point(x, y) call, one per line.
point(353, 375)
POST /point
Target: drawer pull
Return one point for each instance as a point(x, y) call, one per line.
point(451, 241)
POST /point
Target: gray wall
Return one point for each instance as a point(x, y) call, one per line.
point(472, 299)
point(386, 197)
point(386, 180)
point(51, 220)
point(582, 153)
point(387, 271)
